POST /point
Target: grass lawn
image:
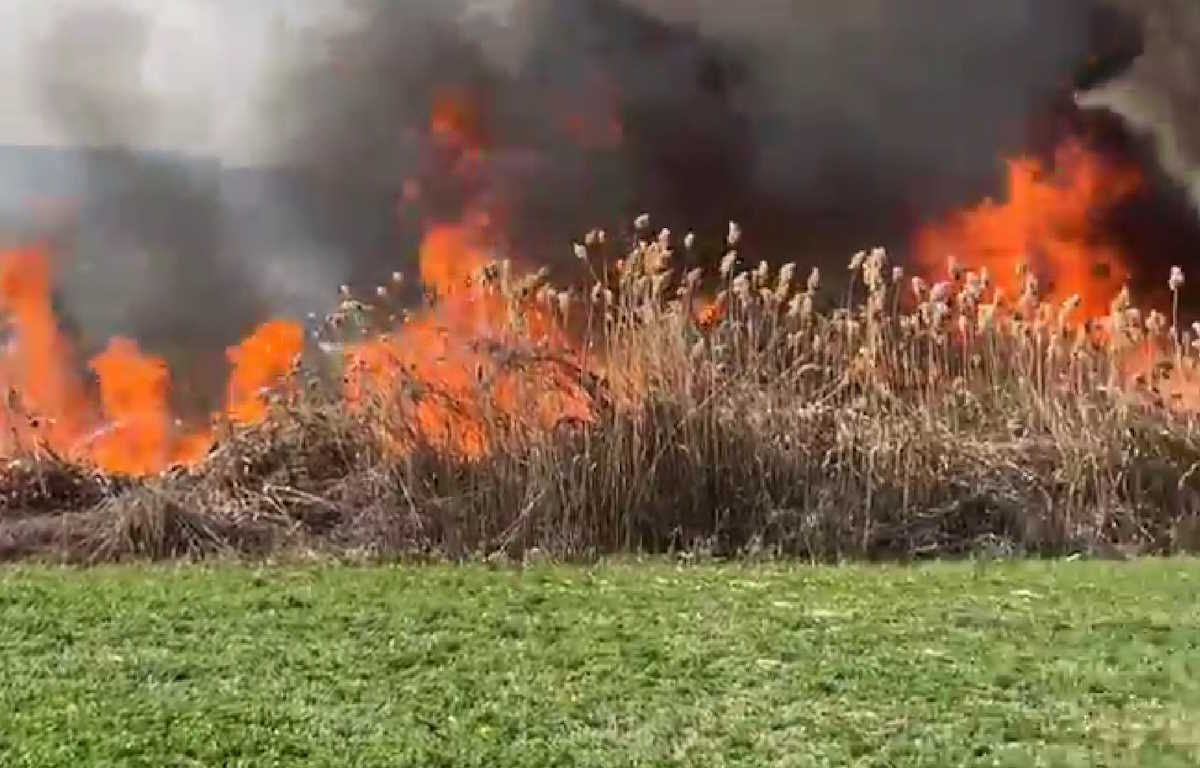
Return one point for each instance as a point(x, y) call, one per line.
point(620, 665)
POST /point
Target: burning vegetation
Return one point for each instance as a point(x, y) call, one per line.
point(1011, 392)
point(125, 426)
point(993, 383)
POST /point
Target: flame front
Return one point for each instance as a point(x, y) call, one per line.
point(131, 429)
point(1046, 244)
point(491, 353)
point(1048, 225)
point(133, 395)
point(482, 353)
point(36, 370)
point(485, 354)
point(260, 362)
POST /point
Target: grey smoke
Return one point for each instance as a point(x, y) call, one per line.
point(170, 238)
point(149, 252)
point(824, 127)
point(88, 75)
point(825, 120)
point(1160, 94)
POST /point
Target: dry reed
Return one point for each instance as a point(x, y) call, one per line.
point(742, 411)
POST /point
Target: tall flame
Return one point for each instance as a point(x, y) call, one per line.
point(35, 368)
point(1049, 224)
point(479, 353)
point(133, 394)
point(451, 258)
point(458, 357)
point(259, 362)
point(1050, 228)
point(486, 351)
point(131, 429)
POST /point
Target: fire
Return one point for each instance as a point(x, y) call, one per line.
point(133, 395)
point(129, 429)
point(710, 313)
point(476, 357)
point(1050, 229)
point(485, 351)
point(455, 119)
point(259, 362)
point(450, 257)
point(491, 353)
point(1048, 224)
point(479, 354)
point(455, 122)
point(35, 367)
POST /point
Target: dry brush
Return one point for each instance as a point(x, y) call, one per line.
point(747, 411)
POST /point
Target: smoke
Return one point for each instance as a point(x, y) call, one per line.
point(810, 121)
point(88, 74)
point(1160, 94)
point(822, 127)
point(144, 251)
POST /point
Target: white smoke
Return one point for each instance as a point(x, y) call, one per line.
point(184, 75)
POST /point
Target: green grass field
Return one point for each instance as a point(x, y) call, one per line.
point(620, 665)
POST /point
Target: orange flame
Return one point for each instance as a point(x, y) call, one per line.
point(457, 386)
point(35, 367)
point(133, 394)
point(474, 356)
point(455, 122)
point(259, 362)
point(709, 313)
point(1049, 224)
point(455, 119)
point(450, 258)
point(131, 429)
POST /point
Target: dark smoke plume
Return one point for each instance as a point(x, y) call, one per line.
point(818, 124)
point(823, 127)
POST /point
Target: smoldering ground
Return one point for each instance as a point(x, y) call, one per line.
point(822, 127)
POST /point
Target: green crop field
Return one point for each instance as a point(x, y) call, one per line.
point(616, 665)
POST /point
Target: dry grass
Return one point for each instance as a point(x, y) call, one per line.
point(886, 418)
